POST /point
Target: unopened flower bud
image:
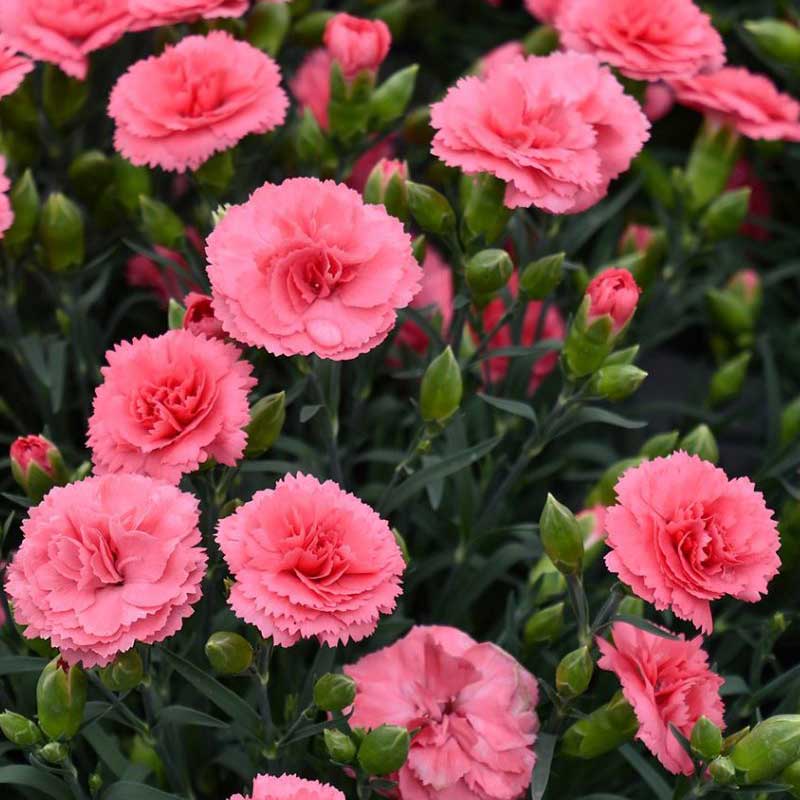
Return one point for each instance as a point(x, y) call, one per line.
point(777, 39)
point(160, 224)
point(384, 750)
point(430, 209)
point(267, 26)
point(706, 739)
point(544, 625)
point(541, 41)
point(25, 202)
point(61, 699)
point(602, 731)
point(540, 278)
point(635, 239)
point(441, 388)
point(95, 783)
point(61, 233)
point(20, 730)
point(420, 248)
point(339, 745)
point(711, 161)
point(488, 271)
point(561, 536)
point(53, 752)
point(266, 423)
point(767, 750)
point(124, 673)
point(90, 173)
point(700, 442)
point(662, 444)
point(386, 184)
point(603, 493)
point(37, 466)
point(484, 213)
point(228, 652)
point(334, 691)
point(617, 381)
point(724, 216)
point(791, 777)
point(722, 771)
point(574, 673)
point(727, 381)
point(746, 283)
point(130, 183)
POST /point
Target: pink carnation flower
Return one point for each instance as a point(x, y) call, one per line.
point(63, 32)
point(501, 55)
point(311, 85)
point(307, 267)
point(13, 68)
point(6, 211)
point(683, 534)
point(105, 563)
point(747, 102)
point(309, 559)
point(667, 682)
point(474, 707)
point(357, 44)
point(615, 293)
point(545, 10)
point(557, 129)
point(289, 787)
point(199, 97)
point(199, 317)
point(648, 40)
point(152, 13)
point(167, 405)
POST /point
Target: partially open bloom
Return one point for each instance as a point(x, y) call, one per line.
point(647, 40)
point(759, 208)
point(683, 534)
point(747, 102)
point(307, 267)
point(473, 705)
point(613, 292)
point(166, 405)
point(545, 10)
point(105, 563)
point(13, 68)
point(357, 44)
point(668, 683)
point(557, 129)
point(152, 13)
point(311, 84)
point(289, 787)
point(199, 97)
point(309, 559)
point(33, 449)
point(63, 32)
point(199, 317)
point(6, 211)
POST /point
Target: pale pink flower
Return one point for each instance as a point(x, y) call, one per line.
point(615, 293)
point(545, 10)
point(307, 267)
point(499, 56)
point(668, 683)
point(152, 13)
point(199, 97)
point(309, 559)
point(311, 85)
point(6, 211)
point(357, 44)
point(473, 705)
point(557, 129)
point(13, 68)
point(647, 40)
point(167, 405)
point(747, 102)
point(289, 787)
point(658, 100)
point(683, 534)
point(199, 317)
point(105, 563)
point(63, 32)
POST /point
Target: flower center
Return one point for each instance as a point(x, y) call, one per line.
point(315, 554)
point(197, 89)
point(168, 407)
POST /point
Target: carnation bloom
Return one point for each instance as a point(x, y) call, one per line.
point(199, 97)
point(307, 267)
point(668, 683)
point(105, 563)
point(309, 559)
point(6, 211)
point(760, 204)
point(648, 40)
point(745, 101)
point(615, 293)
point(683, 534)
point(545, 10)
point(152, 13)
point(13, 68)
point(63, 32)
point(473, 705)
point(165, 281)
point(509, 51)
point(311, 85)
point(357, 44)
point(199, 317)
point(289, 787)
point(166, 405)
point(557, 129)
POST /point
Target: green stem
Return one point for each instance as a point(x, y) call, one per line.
point(72, 779)
point(262, 677)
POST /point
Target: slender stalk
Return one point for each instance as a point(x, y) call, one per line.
point(72, 779)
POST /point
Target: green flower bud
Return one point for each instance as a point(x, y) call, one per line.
point(574, 673)
point(561, 536)
point(334, 691)
point(541, 277)
point(791, 777)
point(544, 625)
point(430, 209)
point(25, 202)
point(340, 746)
point(730, 741)
point(617, 381)
point(386, 185)
point(548, 579)
point(217, 172)
point(420, 249)
point(124, 673)
point(266, 423)
point(778, 623)
point(588, 344)
point(20, 730)
point(488, 271)
point(53, 752)
point(631, 606)
point(711, 161)
point(604, 493)
point(700, 442)
point(349, 104)
point(63, 97)
point(228, 652)
point(159, 223)
point(541, 41)
point(175, 314)
point(730, 311)
point(724, 216)
point(390, 100)
point(384, 750)
point(130, 183)
point(143, 753)
point(722, 771)
point(706, 739)
point(308, 30)
point(776, 39)
point(61, 233)
point(95, 784)
point(61, 699)
point(90, 173)
point(484, 213)
point(790, 422)
point(727, 381)
point(441, 388)
point(602, 731)
point(267, 26)
point(661, 444)
point(767, 750)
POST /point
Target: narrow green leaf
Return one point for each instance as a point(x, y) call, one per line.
point(644, 625)
point(183, 715)
point(515, 407)
point(32, 778)
point(126, 790)
point(648, 774)
point(545, 747)
point(15, 665)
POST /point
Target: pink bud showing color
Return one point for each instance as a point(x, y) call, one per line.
point(658, 101)
point(760, 206)
point(357, 44)
point(34, 449)
point(615, 293)
point(199, 317)
point(635, 239)
point(748, 283)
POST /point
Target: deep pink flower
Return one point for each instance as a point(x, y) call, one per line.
point(473, 705)
point(289, 787)
point(311, 85)
point(33, 449)
point(152, 13)
point(63, 32)
point(199, 317)
point(545, 10)
point(668, 682)
point(165, 281)
point(168, 404)
point(648, 40)
point(6, 211)
point(13, 68)
point(658, 101)
point(307, 267)
point(501, 55)
point(357, 44)
point(615, 293)
point(760, 205)
point(199, 97)
point(557, 129)
point(105, 563)
point(749, 103)
point(309, 559)
point(683, 534)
